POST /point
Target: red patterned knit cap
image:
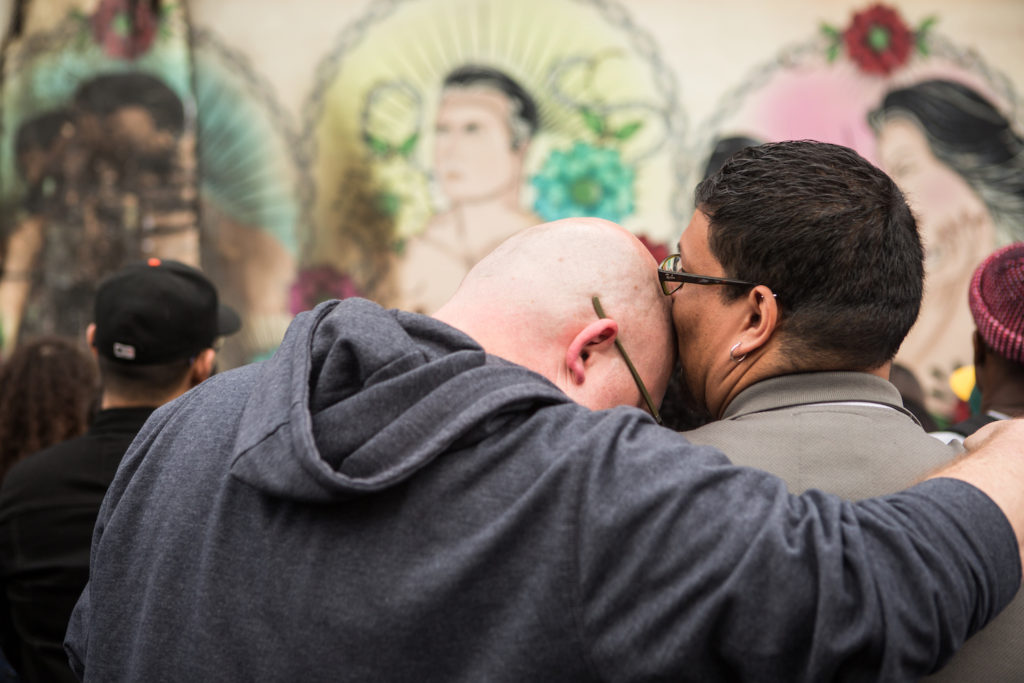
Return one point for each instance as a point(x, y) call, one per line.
point(997, 301)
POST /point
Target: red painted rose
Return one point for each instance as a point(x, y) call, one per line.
point(317, 284)
point(122, 32)
point(878, 40)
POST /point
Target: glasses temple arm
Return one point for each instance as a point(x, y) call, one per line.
point(629, 364)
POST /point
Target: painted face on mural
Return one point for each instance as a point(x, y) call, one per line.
point(945, 205)
point(957, 233)
point(473, 154)
point(134, 131)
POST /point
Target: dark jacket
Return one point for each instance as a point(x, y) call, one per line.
point(382, 500)
point(48, 507)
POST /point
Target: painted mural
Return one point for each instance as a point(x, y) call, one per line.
point(427, 131)
point(98, 162)
point(480, 119)
point(927, 111)
point(100, 166)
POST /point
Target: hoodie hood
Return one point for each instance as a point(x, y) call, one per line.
point(358, 399)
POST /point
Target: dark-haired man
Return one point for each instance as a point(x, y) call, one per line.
point(153, 335)
point(482, 132)
point(790, 352)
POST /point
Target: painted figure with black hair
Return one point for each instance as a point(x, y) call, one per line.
point(118, 184)
point(961, 164)
point(483, 129)
point(814, 272)
point(39, 146)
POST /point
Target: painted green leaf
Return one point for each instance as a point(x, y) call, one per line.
point(121, 25)
point(926, 24)
point(922, 45)
point(830, 31)
point(594, 122)
point(378, 146)
point(388, 203)
point(407, 147)
point(833, 52)
point(629, 130)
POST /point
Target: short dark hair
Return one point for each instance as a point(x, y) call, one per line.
point(524, 108)
point(142, 383)
point(832, 236)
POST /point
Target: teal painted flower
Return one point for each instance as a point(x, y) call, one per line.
point(584, 181)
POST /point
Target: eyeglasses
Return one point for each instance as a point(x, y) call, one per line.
point(672, 277)
point(629, 364)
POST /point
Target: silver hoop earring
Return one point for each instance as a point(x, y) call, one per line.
point(732, 354)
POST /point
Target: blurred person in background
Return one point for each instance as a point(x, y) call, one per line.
point(48, 392)
point(155, 326)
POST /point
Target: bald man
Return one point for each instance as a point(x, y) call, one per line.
point(475, 496)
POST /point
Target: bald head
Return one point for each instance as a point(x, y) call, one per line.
point(529, 301)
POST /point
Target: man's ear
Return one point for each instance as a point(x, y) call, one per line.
point(90, 337)
point(202, 367)
point(594, 338)
point(760, 320)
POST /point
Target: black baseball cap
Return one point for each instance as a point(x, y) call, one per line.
point(158, 311)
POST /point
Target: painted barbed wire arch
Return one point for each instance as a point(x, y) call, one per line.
point(378, 92)
point(691, 159)
point(559, 70)
point(326, 72)
point(353, 34)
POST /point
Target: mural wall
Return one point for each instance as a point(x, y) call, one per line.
point(378, 149)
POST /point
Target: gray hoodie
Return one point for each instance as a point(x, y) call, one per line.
point(382, 500)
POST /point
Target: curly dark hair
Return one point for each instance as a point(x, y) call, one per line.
point(49, 389)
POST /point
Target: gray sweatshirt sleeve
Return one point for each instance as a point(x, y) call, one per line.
point(700, 570)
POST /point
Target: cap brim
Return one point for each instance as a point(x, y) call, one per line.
point(228, 321)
